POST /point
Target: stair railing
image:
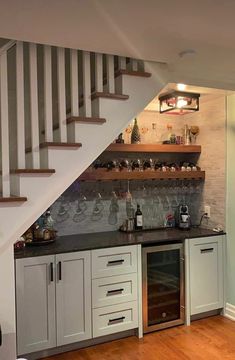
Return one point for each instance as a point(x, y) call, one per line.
point(46, 108)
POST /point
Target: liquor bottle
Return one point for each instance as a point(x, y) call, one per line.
point(135, 135)
point(138, 218)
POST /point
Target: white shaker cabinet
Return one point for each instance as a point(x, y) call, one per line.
point(53, 296)
point(73, 297)
point(206, 274)
point(35, 293)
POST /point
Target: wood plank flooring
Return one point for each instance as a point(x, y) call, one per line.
point(208, 339)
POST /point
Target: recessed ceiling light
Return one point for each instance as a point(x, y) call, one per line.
point(181, 87)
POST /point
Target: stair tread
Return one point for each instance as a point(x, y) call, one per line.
point(56, 144)
point(133, 73)
point(60, 144)
point(33, 171)
point(109, 96)
point(12, 198)
point(86, 120)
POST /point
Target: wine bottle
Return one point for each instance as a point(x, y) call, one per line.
point(138, 218)
point(135, 135)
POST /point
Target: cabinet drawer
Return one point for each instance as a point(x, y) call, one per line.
point(114, 290)
point(115, 318)
point(114, 261)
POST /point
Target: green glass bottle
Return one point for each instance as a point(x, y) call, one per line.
point(135, 135)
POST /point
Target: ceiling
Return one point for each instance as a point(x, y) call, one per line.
point(151, 29)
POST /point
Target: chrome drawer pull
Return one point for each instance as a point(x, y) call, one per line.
point(115, 262)
point(120, 319)
point(207, 250)
point(113, 292)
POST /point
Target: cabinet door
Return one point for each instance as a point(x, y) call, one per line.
point(73, 297)
point(35, 304)
point(206, 274)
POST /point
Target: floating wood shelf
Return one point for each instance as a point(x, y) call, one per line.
point(160, 148)
point(105, 175)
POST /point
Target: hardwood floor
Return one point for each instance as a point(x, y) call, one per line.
point(209, 339)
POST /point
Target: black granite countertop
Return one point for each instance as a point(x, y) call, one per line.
point(100, 240)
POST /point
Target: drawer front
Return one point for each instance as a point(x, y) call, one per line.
point(114, 290)
point(114, 261)
point(115, 318)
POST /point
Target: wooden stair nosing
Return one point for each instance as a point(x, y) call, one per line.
point(133, 73)
point(60, 145)
point(56, 145)
point(96, 95)
point(86, 120)
point(33, 171)
point(81, 119)
point(12, 198)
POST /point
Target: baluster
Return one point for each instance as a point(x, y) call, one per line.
point(134, 65)
point(4, 126)
point(99, 72)
point(61, 94)
point(110, 73)
point(74, 82)
point(20, 112)
point(122, 63)
point(48, 120)
point(87, 83)
point(34, 105)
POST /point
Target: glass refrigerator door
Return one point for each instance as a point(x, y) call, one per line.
point(163, 286)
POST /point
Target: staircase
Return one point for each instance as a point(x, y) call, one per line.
point(60, 108)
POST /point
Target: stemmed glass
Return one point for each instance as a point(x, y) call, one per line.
point(128, 131)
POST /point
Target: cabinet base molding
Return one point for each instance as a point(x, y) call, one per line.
point(79, 345)
point(206, 314)
point(229, 311)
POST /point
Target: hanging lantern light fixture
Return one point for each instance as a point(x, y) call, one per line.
point(178, 103)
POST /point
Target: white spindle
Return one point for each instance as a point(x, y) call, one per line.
point(61, 94)
point(122, 63)
point(134, 64)
point(34, 105)
point(99, 72)
point(48, 94)
point(110, 73)
point(87, 83)
point(20, 112)
point(4, 125)
point(74, 82)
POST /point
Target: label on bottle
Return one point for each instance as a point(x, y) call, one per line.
point(139, 220)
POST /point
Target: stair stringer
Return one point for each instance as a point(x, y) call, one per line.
point(69, 164)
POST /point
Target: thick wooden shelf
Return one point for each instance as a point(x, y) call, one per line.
point(105, 175)
point(160, 148)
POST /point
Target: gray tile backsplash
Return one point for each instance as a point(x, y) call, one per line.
point(94, 207)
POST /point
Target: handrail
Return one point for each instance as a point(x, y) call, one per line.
point(7, 46)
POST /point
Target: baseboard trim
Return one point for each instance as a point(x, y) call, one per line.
point(229, 311)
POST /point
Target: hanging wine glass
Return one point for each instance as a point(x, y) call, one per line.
point(62, 214)
point(79, 213)
point(98, 208)
point(113, 209)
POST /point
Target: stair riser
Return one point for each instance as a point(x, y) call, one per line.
point(18, 182)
